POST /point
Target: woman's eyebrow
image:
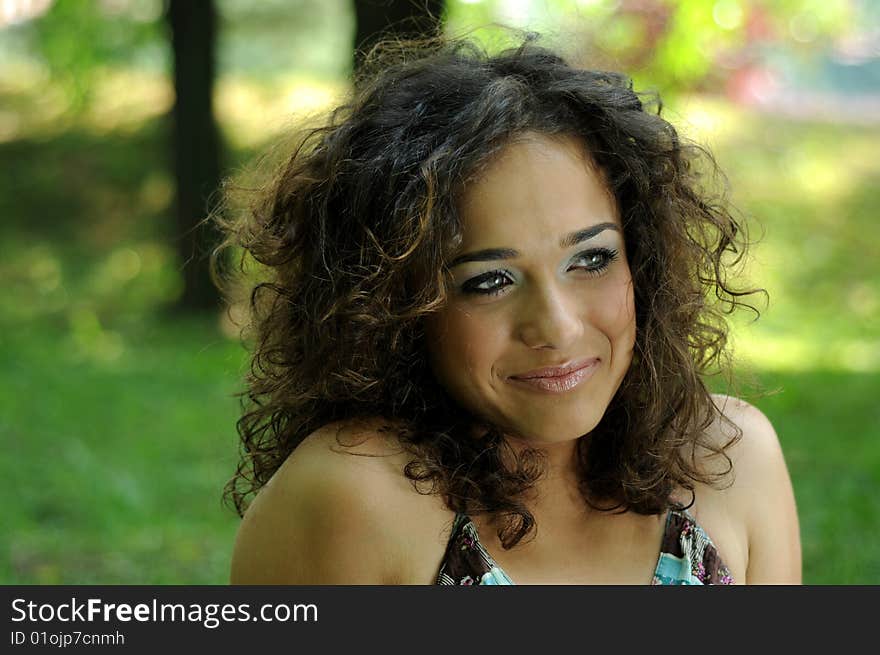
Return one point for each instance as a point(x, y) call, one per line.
point(569, 240)
point(575, 238)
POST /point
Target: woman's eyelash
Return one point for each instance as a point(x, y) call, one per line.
point(598, 259)
point(488, 284)
point(493, 282)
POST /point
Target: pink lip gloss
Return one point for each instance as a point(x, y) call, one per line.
point(561, 383)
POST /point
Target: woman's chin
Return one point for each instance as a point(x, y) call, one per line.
point(548, 432)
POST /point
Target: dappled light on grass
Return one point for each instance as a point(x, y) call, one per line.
point(35, 107)
point(809, 191)
point(706, 120)
point(817, 175)
point(156, 193)
point(89, 340)
point(252, 112)
point(125, 99)
point(777, 157)
point(116, 286)
point(44, 271)
point(35, 283)
point(29, 104)
point(801, 353)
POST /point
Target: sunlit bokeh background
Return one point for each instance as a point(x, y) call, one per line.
point(117, 413)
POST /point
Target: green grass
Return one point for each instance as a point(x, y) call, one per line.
point(116, 467)
point(117, 420)
point(829, 426)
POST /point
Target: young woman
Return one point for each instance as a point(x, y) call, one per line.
point(492, 288)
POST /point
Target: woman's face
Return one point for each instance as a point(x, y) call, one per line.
point(539, 327)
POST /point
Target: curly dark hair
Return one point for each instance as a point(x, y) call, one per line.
point(353, 235)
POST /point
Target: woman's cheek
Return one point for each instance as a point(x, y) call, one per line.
point(471, 343)
point(621, 306)
point(624, 323)
point(472, 337)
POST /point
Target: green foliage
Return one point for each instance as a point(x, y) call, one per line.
point(668, 45)
point(77, 40)
point(87, 215)
point(268, 39)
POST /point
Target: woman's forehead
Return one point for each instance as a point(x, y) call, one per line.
point(536, 187)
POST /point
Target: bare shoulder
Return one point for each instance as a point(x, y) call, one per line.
point(756, 495)
point(749, 439)
point(744, 432)
point(333, 513)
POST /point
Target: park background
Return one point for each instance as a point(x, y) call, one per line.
point(117, 411)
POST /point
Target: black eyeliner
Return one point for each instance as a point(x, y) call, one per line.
point(610, 255)
point(470, 285)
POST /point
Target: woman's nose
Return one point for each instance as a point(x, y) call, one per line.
point(550, 320)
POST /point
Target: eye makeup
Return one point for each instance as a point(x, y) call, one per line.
point(594, 261)
point(488, 284)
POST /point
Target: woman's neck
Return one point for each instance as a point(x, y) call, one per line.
point(557, 492)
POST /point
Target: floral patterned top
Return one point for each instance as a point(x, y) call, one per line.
point(687, 556)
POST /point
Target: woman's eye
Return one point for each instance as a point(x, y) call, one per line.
point(489, 283)
point(594, 261)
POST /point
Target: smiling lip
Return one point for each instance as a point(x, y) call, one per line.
point(558, 379)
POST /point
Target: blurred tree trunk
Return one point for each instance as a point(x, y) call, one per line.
point(196, 145)
point(397, 18)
